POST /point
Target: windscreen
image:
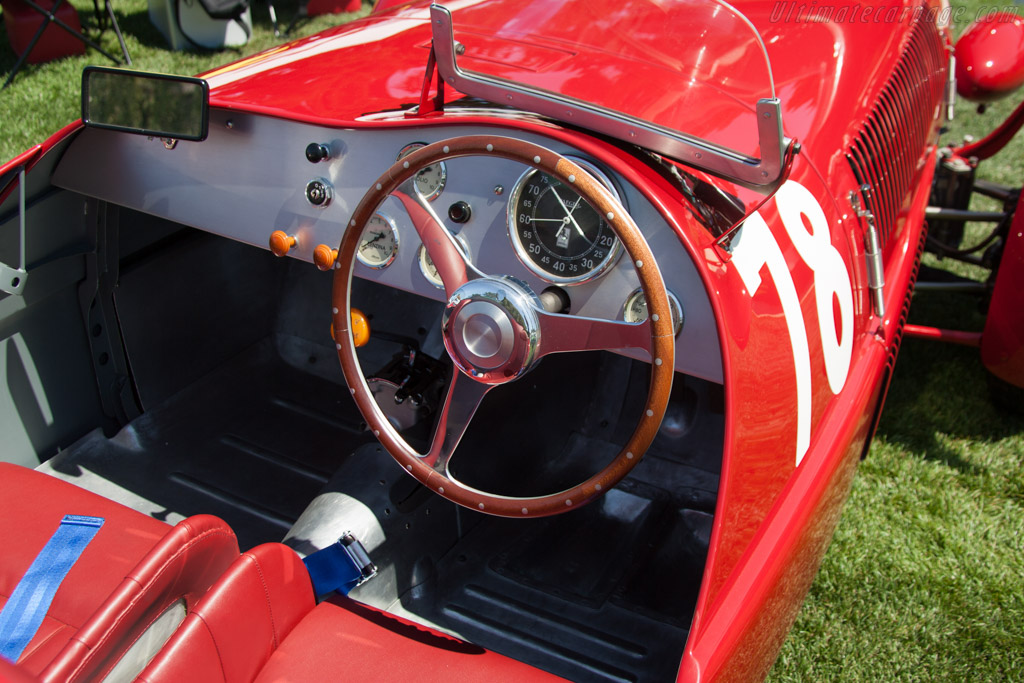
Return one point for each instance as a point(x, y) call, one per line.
point(693, 68)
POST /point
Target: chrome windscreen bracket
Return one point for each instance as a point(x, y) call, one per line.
point(872, 249)
point(675, 145)
point(12, 280)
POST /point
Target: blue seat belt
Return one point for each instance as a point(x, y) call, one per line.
point(24, 611)
point(339, 567)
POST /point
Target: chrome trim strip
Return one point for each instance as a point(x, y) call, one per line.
point(670, 143)
point(12, 280)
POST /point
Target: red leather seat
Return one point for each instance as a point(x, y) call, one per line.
point(260, 622)
point(134, 569)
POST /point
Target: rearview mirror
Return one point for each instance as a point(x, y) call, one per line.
point(153, 104)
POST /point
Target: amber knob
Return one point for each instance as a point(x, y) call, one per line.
point(281, 242)
point(360, 328)
point(324, 257)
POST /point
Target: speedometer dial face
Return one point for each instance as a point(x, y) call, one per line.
point(378, 245)
point(430, 179)
point(558, 235)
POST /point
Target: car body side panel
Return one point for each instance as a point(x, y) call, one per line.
point(758, 574)
point(1002, 342)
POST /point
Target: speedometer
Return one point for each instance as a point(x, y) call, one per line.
point(555, 233)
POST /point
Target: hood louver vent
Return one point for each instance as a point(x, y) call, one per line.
point(885, 152)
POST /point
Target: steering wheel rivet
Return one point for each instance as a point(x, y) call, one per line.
point(568, 502)
point(440, 489)
point(536, 160)
point(572, 179)
point(611, 216)
point(405, 164)
point(657, 361)
point(629, 455)
point(655, 317)
point(490, 147)
point(335, 310)
point(446, 149)
point(481, 506)
point(639, 264)
point(376, 432)
point(650, 413)
point(379, 186)
point(597, 487)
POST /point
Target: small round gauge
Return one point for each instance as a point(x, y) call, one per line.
point(556, 233)
point(635, 309)
point(427, 266)
point(430, 179)
point(378, 245)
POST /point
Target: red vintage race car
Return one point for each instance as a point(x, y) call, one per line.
point(616, 290)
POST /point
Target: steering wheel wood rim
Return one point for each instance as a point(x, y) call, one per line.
point(447, 257)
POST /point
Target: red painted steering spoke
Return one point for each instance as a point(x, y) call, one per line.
point(561, 333)
point(441, 247)
point(464, 397)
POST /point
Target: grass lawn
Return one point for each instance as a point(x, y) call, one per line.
point(45, 97)
point(925, 577)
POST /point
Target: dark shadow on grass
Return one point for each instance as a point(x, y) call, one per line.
point(138, 25)
point(941, 388)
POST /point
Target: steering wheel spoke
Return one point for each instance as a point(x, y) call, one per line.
point(563, 333)
point(460, 404)
point(452, 265)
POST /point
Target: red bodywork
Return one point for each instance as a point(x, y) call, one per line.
point(989, 65)
point(806, 353)
point(1002, 342)
point(774, 519)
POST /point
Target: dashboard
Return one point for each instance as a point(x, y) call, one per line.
point(255, 175)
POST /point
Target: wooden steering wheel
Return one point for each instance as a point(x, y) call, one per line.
point(495, 328)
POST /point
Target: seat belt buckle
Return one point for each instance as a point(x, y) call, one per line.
point(360, 558)
point(340, 567)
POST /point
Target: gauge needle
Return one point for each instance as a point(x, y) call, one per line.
point(376, 237)
point(569, 215)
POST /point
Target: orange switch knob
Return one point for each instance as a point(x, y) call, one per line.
point(281, 242)
point(360, 328)
point(324, 257)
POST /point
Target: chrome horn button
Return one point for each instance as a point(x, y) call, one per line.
point(491, 330)
point(483, 334)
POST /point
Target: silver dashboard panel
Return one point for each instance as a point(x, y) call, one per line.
point(249, 178)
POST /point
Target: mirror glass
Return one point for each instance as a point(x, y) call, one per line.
point(146, 103)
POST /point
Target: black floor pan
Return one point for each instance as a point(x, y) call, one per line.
point(247, 443)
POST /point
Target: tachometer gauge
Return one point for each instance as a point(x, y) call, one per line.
point(430, 179)
point(635, 310)
point(378, 245)
point(427, 266)
point(557, 234)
